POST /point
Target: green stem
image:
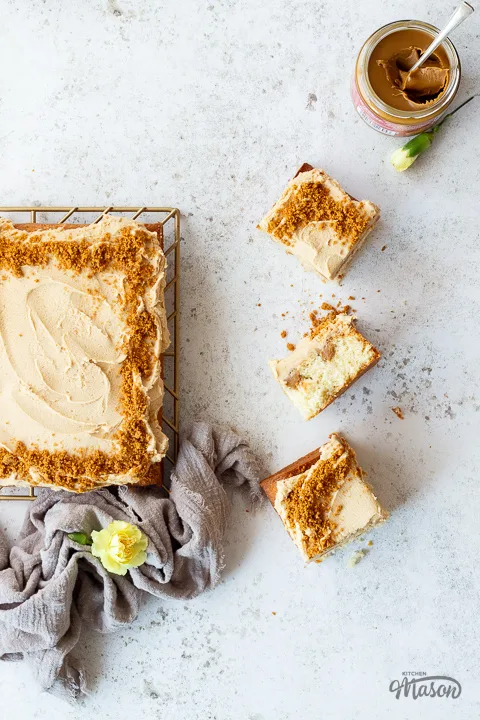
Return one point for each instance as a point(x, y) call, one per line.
point(449, 115)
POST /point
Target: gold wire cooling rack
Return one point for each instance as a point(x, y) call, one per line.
point(170, 219)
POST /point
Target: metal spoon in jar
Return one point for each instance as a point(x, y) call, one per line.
point(460, 14)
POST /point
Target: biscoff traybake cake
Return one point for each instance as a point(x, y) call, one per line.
point(319, 223)
point(323, 499)
point(82, 331)
point(324, 364)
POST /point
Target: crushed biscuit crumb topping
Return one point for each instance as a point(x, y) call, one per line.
point(308, 503)
point(313, 202)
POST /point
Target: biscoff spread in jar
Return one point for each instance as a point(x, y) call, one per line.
point(391, 98)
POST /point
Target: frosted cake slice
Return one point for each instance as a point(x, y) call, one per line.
point(324, 364)
point(323, 499)
point(319, 223)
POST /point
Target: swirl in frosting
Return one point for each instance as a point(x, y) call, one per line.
point(60, 356)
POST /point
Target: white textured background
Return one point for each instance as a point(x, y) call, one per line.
point(210, 107)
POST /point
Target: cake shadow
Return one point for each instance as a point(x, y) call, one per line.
point(394, 476)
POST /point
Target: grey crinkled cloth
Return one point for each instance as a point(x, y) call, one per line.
point(50, 586)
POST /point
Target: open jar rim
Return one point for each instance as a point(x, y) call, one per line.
point(368, 91)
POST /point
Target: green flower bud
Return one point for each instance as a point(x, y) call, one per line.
point(406, 155)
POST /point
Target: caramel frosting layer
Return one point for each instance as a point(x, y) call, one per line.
point(319, 223)
point(59, 358)
point(65, 336)
point(329, 504)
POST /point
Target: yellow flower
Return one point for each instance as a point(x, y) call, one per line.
point(120, 546)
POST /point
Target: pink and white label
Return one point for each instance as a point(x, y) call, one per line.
point(384, 126)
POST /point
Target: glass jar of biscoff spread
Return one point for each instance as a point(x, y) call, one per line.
point(392, 100)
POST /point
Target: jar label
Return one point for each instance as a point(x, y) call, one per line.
point(375, 125)
point(384, 126)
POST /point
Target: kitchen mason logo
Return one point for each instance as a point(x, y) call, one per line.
point(417, 685)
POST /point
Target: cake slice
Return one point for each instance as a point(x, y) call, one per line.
point(316, 220)
point(323, 499)
point(324, 364)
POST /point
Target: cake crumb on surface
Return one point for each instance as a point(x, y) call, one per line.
point(327, 306)
point(356, 557)
point(338, 310)
point(291, 347)
point(283, 334)
point(398, 412)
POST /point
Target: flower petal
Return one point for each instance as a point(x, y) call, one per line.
point(138, 560)
point(120, 546)
point(401, 160)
